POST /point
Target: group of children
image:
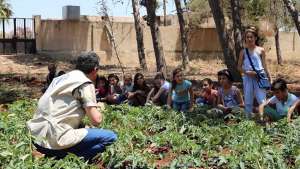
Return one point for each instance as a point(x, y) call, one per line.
point(179, 94)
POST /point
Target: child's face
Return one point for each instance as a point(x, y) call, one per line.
point(112, 81)
point(127, 81)
point(250, 38)
point(223, 80)
point(179, 77)
point(52, 68)
point(101, 83)
point(157, 83)
point(280, 95)
point(140, 80)
point(206, 86)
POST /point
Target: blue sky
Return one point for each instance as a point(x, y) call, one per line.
point(53, 8)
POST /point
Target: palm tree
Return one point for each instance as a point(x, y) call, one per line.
point(5, 9)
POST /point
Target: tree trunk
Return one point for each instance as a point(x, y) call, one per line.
point(224, 39)
point(294, 13)
point(165, 12)
point(277, 44)
point(156, 39)
point(237, 27)
point(183, 33)
point(139, 35)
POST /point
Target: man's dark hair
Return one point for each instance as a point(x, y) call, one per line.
point(87, 62)
point(160, 76)
point(279, 84)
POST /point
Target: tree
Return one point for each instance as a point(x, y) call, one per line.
point(237, 26)
point(156, 38)
point(5, 9)
point(275, 16)
point(108, 27)
point(183, 33)
point(139, 34)
point(165, 12)
point(224, 38)
point(294, 13)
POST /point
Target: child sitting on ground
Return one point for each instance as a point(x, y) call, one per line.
point(286, 103)
point(127, 84)
point(181, 95)
point(159, 93)
point(102, 87)
point(140, 91)
point(229, 96)
point(207, 96)
point(51, 75)
point(114, 89)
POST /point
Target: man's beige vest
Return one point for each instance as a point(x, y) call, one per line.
point(55, 123)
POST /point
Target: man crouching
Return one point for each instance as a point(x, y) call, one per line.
point(56, 123)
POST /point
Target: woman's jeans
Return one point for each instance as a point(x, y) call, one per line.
point(93, 143)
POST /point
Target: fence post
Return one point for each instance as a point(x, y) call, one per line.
point(3, 34)
point(14, 38)
point(25, 38)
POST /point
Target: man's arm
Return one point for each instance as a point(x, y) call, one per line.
point(87, 97)
point(94, 115)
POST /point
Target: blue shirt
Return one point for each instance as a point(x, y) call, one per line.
point(181, 92)
point(283, 107)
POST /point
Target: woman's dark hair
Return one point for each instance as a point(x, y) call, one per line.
point(160, 76)
point(137, 76)
point(87, 62)
point(208, 80)
point(174, 73)
point(227, 73)
point(112, 75)
point(279, 84)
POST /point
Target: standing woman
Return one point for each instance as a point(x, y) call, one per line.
point(252, 59)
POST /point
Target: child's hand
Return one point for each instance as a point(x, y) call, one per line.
point(191, 109)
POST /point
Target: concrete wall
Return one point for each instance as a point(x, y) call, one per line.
point(61, 38)
point(69, 38)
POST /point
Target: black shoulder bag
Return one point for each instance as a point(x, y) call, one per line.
point(262, 78)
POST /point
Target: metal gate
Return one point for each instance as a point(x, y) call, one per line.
point(17, 35)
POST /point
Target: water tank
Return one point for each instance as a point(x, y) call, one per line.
point(71, 12)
